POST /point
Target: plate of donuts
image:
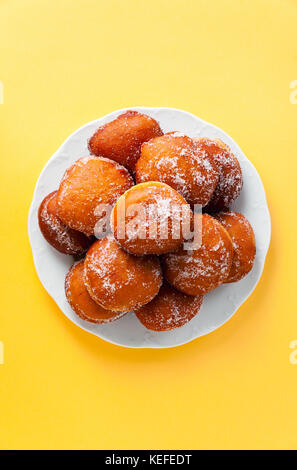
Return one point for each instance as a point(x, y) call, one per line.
point(149, 227)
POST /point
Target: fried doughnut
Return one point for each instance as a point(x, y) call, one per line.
point(121, 139)
point(178, 161)
point(57, 234)
point(170, 309)
point(80, 301)
point(90, 183)
point(230, 175)
point(153, 215)
point(244, 244)
point(203, 269)
point(117, 280)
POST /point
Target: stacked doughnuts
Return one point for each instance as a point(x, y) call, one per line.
point(147, 217)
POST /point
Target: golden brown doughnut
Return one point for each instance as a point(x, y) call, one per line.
point(178, 161)
point(244, 243)
point(170, 309)
point(121, 139)
point(117, 280)
point(57, 234)
point(203, 269)
point(153, 215)
point(89, 183)
point(81, 302)
point(230, 175)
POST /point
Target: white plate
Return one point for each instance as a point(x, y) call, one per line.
point(219, 305)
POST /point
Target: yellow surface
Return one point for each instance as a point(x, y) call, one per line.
point(66, 62)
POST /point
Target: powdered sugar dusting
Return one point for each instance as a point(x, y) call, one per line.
point(169, 310)
point(118, 280)
point(201, 270)
point(230, 175)
point(61, 237)
point(81, 302)
point(159, 224)
point(179, 162)
point(244, 245)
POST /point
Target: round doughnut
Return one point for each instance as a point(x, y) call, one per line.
point(178, 161)
point(121, 139)
point(244, 244)
point(57, 234)
point(170, 309)
point(205, 267)
point(117, 280)
point(81, 302)
point(87, 186)
point(148, 219)
point(230, 175)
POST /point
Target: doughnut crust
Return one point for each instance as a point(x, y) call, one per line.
point(230, 175)
point(170, 309)
point(81, 302)
point(57, 234)
point(201, 270)
point(244, 243)
point(121, 139)
point(117, 280)
point(178, 161)
point(153, 215)
point(90, 182)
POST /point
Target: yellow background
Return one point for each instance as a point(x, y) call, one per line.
point(66, 62)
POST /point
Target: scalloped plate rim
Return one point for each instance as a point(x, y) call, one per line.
point(107, 117)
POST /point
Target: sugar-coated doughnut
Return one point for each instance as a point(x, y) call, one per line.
point(170, 309)
point(178, 161)
point(151, 218)
point(89, 184)
point(244, 244)
point(117, 280)
point(204, 268)
point(121, 139)
point(230, 175)
point(56, 233)
point(80, 300)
